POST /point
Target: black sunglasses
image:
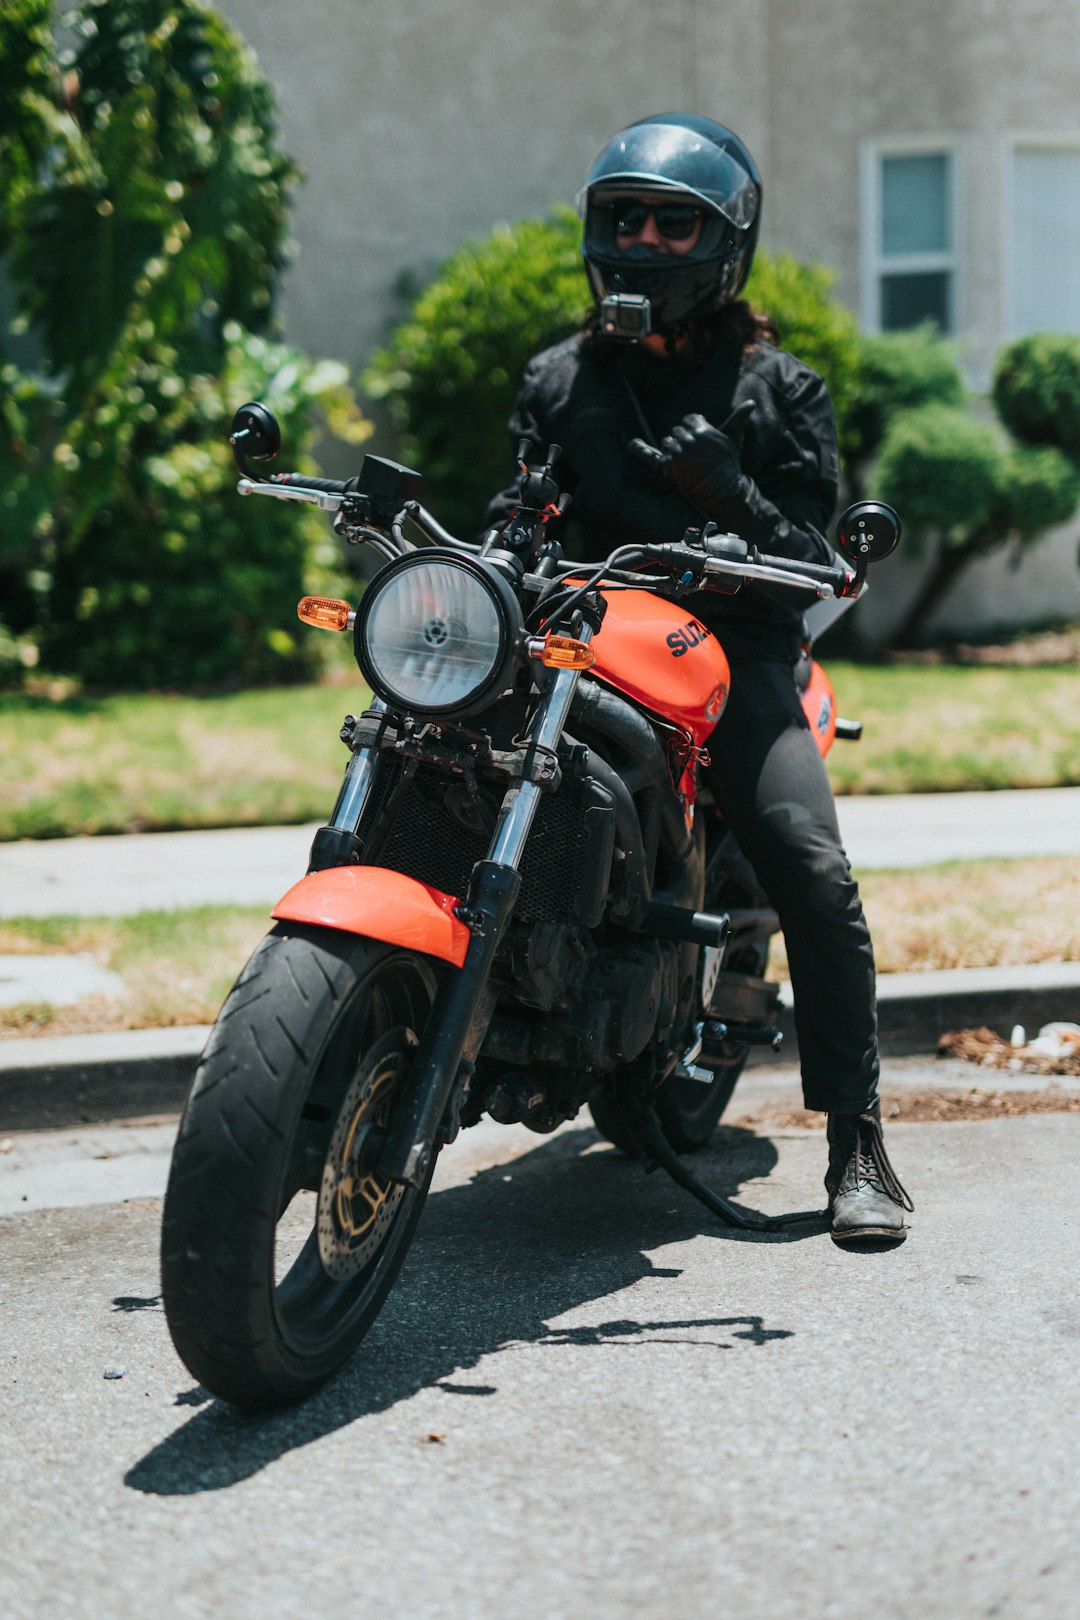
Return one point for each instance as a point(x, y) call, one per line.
point(676, 221)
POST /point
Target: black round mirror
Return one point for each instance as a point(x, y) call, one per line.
point(255, 433)
point(869, 530)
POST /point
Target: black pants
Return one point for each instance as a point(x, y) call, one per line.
point(769, 780)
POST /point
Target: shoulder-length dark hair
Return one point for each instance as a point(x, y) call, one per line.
point(745, 325)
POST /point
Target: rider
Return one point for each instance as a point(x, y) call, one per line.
point(743, 434)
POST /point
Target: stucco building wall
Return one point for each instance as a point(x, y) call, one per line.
point(844, 75)
point(421, 126)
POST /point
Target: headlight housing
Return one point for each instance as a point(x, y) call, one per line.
point(438, 633)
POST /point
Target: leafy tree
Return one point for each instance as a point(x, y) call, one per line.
point(144, 236)
point(162, 575)
point(28, 114)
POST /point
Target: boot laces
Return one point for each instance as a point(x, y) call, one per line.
point(872, 1161)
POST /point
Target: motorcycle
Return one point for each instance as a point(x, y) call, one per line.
point(521, 904)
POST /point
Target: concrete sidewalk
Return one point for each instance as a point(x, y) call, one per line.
point(254, 866)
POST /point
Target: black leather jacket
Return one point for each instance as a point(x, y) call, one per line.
point(592, 397)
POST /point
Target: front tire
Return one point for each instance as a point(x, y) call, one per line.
point(278, 1246)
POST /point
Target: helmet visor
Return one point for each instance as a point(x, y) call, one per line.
point(668, 157)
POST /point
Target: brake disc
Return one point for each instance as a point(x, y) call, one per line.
point(357, 1206)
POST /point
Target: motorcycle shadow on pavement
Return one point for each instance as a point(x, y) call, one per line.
point(495, 1261)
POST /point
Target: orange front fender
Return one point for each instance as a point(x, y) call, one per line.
point(380, 904)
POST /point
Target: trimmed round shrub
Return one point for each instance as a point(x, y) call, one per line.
point(1038, 489)
point(942, 469)
point(898, 371)
point(1037, 390)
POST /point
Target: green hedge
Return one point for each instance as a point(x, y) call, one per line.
point(1037, 390)
point(812, 325)
point(451, 371)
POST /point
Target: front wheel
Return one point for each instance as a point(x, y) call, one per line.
point(279, 1245)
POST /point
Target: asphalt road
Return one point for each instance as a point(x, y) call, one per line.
point(583, 1397)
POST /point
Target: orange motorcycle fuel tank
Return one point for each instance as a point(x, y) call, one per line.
point(662, 658)
point(666, 661)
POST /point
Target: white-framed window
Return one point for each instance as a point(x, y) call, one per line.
point(910, 233)
point(1043, 236)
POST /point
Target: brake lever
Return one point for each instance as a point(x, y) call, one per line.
point(284, 492)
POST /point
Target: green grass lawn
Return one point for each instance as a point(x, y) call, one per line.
point(950, 728)
point(135, 763)
point(151, 762)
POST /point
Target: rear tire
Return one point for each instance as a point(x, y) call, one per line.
point(689, 1110)
point(278, 1247)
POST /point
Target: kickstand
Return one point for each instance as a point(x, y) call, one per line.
point(663, 1154)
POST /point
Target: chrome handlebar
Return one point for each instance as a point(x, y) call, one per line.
point(730, 568)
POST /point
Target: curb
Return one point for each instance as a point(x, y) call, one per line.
point(916, 1009)
point(66, 1080)
point(71, 1080)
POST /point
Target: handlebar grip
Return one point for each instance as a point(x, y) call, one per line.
point(325, 486)
point(837, 575)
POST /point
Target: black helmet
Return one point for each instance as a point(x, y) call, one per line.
point(670, 158)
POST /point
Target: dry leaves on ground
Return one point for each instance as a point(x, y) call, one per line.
point(926, 1108)
point(991, 1051)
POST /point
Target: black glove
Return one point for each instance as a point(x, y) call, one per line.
point(701, 461)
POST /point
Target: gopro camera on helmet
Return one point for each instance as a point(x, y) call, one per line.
point(625, 315)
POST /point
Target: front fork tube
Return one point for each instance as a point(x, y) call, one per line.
point(406, 1153)
point(359, 775)
point(336, 844)
point(521, 803)
point(462, 996)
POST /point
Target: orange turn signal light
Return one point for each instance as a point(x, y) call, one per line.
point(564, 652)
point(324, 612)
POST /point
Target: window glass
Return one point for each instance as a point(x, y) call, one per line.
point(1044, 291)
point(915, 204)
point(907, 300)
point(913, 254)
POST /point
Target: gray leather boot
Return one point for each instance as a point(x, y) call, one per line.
point(866, 1200)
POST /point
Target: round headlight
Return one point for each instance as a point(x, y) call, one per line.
point(438, 633)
